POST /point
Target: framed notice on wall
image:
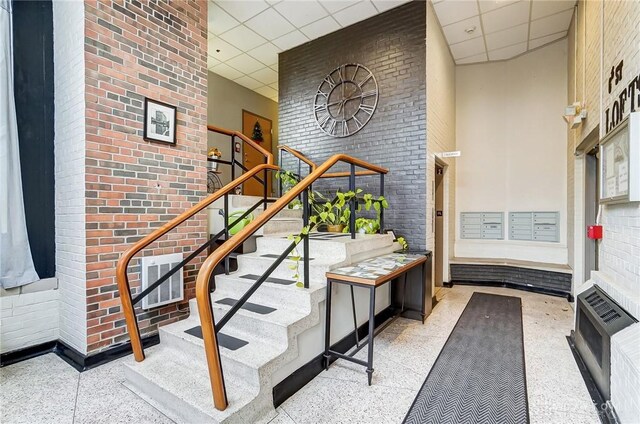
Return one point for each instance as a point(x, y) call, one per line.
point(620, 162)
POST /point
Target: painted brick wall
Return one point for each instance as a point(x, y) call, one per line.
point(69, 149)
point(619, 261)
point(441, 131)
point(133, 50)
point(392, 46)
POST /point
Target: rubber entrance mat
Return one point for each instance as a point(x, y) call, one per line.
point(479, 376)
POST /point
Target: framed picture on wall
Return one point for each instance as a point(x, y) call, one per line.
point(159, 121)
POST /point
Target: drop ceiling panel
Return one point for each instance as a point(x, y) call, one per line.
point(242, 10)
point(507, 37)
point(450, 11)
point(301, 13)
point(507, 28)
point(538, 42)
point(265, 75)
point(219, 20)
point(266, 53)
point(245, 64)
point(541, 9)
point(243, 38)
point(456, 33)
point(468, 48)
point(506, 17)
point(290, 40)
point(508, 52)
point(355, 13)
point(551, 24)
point(270, 24)
point(319, 28)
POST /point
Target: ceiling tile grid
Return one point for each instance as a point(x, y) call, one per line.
point(488, 30)
point(245, 36)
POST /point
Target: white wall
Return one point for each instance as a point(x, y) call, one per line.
point(510, 131)
point(29, 315)
point(441, 132)
point(69, 78)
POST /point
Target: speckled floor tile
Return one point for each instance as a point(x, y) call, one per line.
point(282, 418)
point(387, 372)
point(327, 400)
point(102, 398)
point(40, 390)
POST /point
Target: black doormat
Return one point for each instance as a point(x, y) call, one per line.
point(479, 376)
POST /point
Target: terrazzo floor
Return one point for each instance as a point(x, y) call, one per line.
point(48, 390)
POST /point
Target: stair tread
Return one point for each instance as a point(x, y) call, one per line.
point(236, 278)
point(255, 353)
point(164, 364)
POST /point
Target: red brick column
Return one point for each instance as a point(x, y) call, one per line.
point(133, 50)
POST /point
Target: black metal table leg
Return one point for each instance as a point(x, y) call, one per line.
point(327, 329)
point(372, 328)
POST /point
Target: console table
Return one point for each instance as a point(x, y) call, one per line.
point(371, 273)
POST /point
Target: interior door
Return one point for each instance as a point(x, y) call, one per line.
point(251, 157)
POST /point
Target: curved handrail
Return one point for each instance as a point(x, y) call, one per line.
point(123, 263)
point(203, 298)
point(267, 154)
point(298, 155)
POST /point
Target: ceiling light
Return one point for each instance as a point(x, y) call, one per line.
point(470, 30)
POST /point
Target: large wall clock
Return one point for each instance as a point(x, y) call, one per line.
point(346, 100)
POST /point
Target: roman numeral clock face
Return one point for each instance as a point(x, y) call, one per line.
point(346, 100)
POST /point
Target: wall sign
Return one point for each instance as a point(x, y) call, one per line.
point(455, 154)
point(620, 162)
point(630, 94)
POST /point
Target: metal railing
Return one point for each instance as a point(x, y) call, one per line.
point(203, 281)
point(122, 278)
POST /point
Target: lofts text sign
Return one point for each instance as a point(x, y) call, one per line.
point(630, 93)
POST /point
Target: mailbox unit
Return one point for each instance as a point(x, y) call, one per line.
point(534, 226)
point(482, 225)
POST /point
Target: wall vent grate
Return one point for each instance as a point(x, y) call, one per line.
point(602, 307)
point(172, 290)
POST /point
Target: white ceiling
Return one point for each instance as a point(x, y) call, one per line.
point(245, 36)
point(502, 28)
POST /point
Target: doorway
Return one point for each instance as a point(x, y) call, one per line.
point(251, 157)
point(591, 205)
point(438, 254)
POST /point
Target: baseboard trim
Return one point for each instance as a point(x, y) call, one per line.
point(300, 377)
point(515, 286)
point(77, 360)
point(19, 355)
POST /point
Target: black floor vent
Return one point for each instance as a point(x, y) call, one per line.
point(602, 307)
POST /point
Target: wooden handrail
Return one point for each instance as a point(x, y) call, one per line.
point(298, 155)
point(203, 293)
point(123, 262)
point(267, 154)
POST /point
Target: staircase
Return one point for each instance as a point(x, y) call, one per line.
point(261, 341)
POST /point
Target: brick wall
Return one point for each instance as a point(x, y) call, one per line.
point(392, 46)
point(133, 50)
point(69, 150)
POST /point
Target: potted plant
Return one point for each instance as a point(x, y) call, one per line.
point(215, 155)
point(334, 215)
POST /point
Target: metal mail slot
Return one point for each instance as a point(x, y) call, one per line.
point(546, 238)
point(534, 226)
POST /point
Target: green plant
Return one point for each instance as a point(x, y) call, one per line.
point(332, 213)
point(289, 180)
point(367, 225)
point(403, 243)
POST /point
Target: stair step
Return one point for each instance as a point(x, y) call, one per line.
point(274, 256)
point(272, 280)
point(252, 307)
point(188, 398)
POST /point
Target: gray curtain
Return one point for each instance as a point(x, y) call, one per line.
point(16, 263)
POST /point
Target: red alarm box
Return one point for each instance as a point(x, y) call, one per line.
point(594, 232)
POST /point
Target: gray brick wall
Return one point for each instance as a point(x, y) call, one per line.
point(392, 46)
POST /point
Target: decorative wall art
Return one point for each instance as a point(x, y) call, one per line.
point(159, 121)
